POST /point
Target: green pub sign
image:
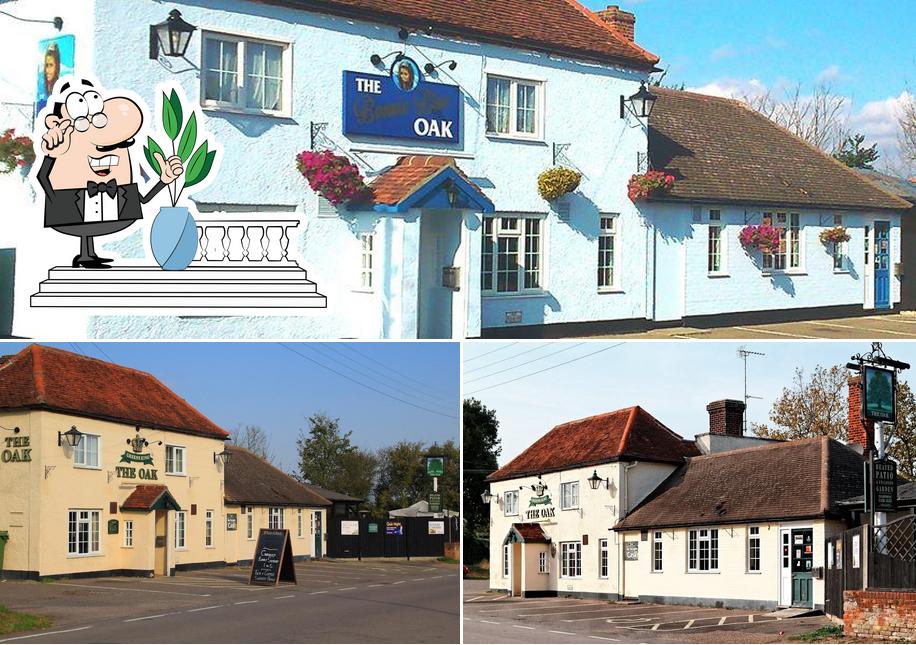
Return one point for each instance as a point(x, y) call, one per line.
point(435, 466)
point(878, 394)
point(372, 527)
point(112, 527)
point(435, 502)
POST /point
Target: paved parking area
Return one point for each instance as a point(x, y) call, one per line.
point(494, 618)
point(873, 327)
point(334, 601)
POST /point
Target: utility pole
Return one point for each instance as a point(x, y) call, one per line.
point(743, 354)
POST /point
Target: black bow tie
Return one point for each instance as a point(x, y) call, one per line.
point(110, 187)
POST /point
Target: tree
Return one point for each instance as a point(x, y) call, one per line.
point(902, 442)
point(402, 478)
point(254, 439)
point(906, 137)
point(819, 118)
point(481, 448)
point(852, 154)
point(328, 458)
point(810, 407)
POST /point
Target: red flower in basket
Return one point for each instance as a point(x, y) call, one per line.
point(332, 176)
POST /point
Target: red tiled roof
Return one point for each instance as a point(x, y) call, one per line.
point(144, 497)
point(530, 532)
point(631, 433)
point(53, 379)
point(562, 27)
point(781, 481)
point(408, 175)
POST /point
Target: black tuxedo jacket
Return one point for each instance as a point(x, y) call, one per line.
point(65, 207)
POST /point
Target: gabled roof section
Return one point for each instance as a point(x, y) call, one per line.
point(423, 182)
point(530, 532)
point(721, 151)
point(630, 433)
point(333, 496)
point(147, 497)
point(41, 377)
point(559, 27)
point(903, 188)
point(252, 481)
point(783, 481)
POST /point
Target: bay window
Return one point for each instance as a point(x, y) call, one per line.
point(511, 255)
point(703, 550)
point(513, 107)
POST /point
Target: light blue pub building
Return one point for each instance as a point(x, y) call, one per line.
point(456, 242)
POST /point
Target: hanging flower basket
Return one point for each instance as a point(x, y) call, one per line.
point(15, 152)
point(835, 235)
point(332, 176)
point(762, 237)
point(555, 182)
point(648, 184)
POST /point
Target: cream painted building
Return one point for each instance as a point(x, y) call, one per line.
point(105, 470)
point(619, 506)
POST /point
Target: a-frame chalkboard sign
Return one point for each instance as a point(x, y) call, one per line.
point(273, 559)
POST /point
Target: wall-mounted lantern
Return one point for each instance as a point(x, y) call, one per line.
point(595, 481)
point(222, 457)
point(71, 436)
point(486, 496)
point(429, 68)
point(640, 104)
point(377, 60)
point(170, 37)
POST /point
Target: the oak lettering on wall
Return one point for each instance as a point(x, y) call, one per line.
point(16, 449)
point(534, 513)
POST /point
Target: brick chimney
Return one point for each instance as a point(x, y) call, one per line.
point(861, 433)
point(726, 417)
point(623, 22)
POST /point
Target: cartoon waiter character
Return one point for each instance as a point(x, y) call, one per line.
point(86, 174)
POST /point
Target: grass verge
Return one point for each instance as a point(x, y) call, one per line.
point(15, 621)
point(828, 633)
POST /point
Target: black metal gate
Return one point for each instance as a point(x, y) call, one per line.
point(400, 537)
point(845, 555)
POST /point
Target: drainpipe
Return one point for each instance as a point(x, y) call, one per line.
point(626, 488)
point(625, 509)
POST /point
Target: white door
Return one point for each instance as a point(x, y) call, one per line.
point(785, 568)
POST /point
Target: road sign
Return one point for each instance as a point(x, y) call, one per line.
point(435, 466)
point(885, 485)
point(435, 502)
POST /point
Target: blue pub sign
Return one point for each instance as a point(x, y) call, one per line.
point(401, 105)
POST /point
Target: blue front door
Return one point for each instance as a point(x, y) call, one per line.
point(882, 265)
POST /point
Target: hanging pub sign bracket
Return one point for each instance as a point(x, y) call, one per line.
point(315, 130)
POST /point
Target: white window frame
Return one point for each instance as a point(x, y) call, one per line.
point(208, 529)
point(181, 530)
point(753, 536)
point(89, 522)
point(499, 226)
point(840, 251)
point(80, 453)
point(543, 562)
point(249, 523)
point(716, 224)
point(128, 534)
point(514, 133)
point(571, 560)
point(507, 552)
point(792, 236)
point(299, 532)
point(170, 462)
point(566, 501)
point(611, 232)
point(239, 106)
point(604, 559)
point(275, 517)
point(658, 552)
point(367, 264)
point(510, 509)
point(695, 540)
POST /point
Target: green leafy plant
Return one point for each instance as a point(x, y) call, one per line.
point(196, 163)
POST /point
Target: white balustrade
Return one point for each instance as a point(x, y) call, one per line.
point(227, 238)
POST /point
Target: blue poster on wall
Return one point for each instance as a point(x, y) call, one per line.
point(401, 105)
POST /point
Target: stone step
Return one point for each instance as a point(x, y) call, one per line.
point(261, 271)
point(163, 287)
point(200, 303)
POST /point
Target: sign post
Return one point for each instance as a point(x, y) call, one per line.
point(273, 559)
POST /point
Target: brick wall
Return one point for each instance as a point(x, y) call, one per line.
point(880, 615)
point(862, 433)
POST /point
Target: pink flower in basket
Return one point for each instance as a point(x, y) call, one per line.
point(762, 237)
point(332, 176)
point(648, 184)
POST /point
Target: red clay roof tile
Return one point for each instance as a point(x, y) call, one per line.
point(143, 497)
point(53, 379)
point(561, 27)
point(530, 532)
point(631, 433)
point(408, 175)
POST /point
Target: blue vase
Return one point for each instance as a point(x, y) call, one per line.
point(174, 238)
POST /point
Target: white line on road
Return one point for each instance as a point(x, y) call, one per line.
point(282, 597)
point(605, 638)
point(174, 593)
point(62, 631)
point(554, 631)
point(315, 593)
point(490, 622)
point(522, 627)
point(191, 611)
point(418, 579)
point(399, 582)
point(774, 333)
point(133, 620)
point(347, 589)
point(248, 602)
point(722, 620)
point(689, 623)
point(376, 585)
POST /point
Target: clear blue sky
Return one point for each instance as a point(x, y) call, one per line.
point(866, 49)
point(672, 380)
point(267, 385)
